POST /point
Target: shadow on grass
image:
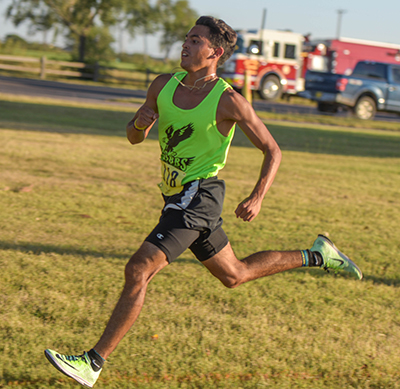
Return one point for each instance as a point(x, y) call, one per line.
point(26, 381)
point(382, 281)
point(39, 248)
point(60, 119)
point(313, 140)
point(317, 273)
point(337, 142)
point(78, 120)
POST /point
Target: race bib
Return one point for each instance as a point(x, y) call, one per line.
point(171, 179)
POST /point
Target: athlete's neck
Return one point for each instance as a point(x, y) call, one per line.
point(194, 82)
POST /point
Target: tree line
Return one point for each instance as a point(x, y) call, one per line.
point(86, 23)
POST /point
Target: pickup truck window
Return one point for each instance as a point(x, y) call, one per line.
point(370, 70)
point(396, 75)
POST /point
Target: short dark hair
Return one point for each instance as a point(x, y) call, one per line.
point(221, 35)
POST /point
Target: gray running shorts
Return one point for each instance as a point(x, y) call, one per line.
point(192, 219)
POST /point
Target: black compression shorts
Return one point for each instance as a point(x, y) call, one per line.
point(192, 219)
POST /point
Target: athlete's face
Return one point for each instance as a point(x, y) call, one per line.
point(197, 52)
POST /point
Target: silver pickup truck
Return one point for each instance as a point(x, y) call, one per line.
point(372, 86)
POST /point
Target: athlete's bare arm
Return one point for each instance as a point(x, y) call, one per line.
point(147, 114)
point(232, 108)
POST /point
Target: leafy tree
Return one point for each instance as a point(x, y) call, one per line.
point(98, 45)
point(175, 19)
point(15, 41)
point(77, 17)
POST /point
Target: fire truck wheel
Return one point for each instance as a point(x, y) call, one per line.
point(365, 108)
point(270, 88)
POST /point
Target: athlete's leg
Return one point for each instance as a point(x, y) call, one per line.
point(140, 269)
point(232, 272)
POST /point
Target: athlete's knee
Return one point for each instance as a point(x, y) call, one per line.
point(135, 273)
point(232, 280)
point(227, 268)
point(143, 265)
point(232, 283)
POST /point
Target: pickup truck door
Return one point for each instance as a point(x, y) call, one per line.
point(393, 96)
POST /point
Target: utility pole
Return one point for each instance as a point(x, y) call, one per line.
point(121, 38)
point(264, 18)
point(339, 21)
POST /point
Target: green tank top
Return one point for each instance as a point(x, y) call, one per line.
point(191, 145)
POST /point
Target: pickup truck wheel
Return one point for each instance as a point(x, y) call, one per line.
point(271, 88)
point(326, 107)
point(365, 108)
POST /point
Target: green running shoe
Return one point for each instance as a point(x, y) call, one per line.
point(77, 367)
point(333, 259)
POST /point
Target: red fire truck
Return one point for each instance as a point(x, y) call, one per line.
point(341, 55)
point(273, 60)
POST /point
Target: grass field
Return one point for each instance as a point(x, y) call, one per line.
point(76, 200)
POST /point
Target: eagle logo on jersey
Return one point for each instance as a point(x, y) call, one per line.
point(177, 136)
point(172, 139)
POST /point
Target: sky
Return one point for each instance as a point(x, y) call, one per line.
point(361, 19)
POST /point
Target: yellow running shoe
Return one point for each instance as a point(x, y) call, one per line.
point(77, 367)
point(333, 259)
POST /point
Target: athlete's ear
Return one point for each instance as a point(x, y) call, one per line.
point(218, 52)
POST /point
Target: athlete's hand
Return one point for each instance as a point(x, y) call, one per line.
point(248, 209)
point(146, 117)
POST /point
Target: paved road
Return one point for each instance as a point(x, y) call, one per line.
point(103, 94)
point(62, 90)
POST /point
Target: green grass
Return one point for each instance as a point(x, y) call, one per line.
point(77, 200)
point(332, 120)
point(34, 105)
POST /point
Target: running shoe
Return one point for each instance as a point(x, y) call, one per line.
point(77, 367)
point(333, 259)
